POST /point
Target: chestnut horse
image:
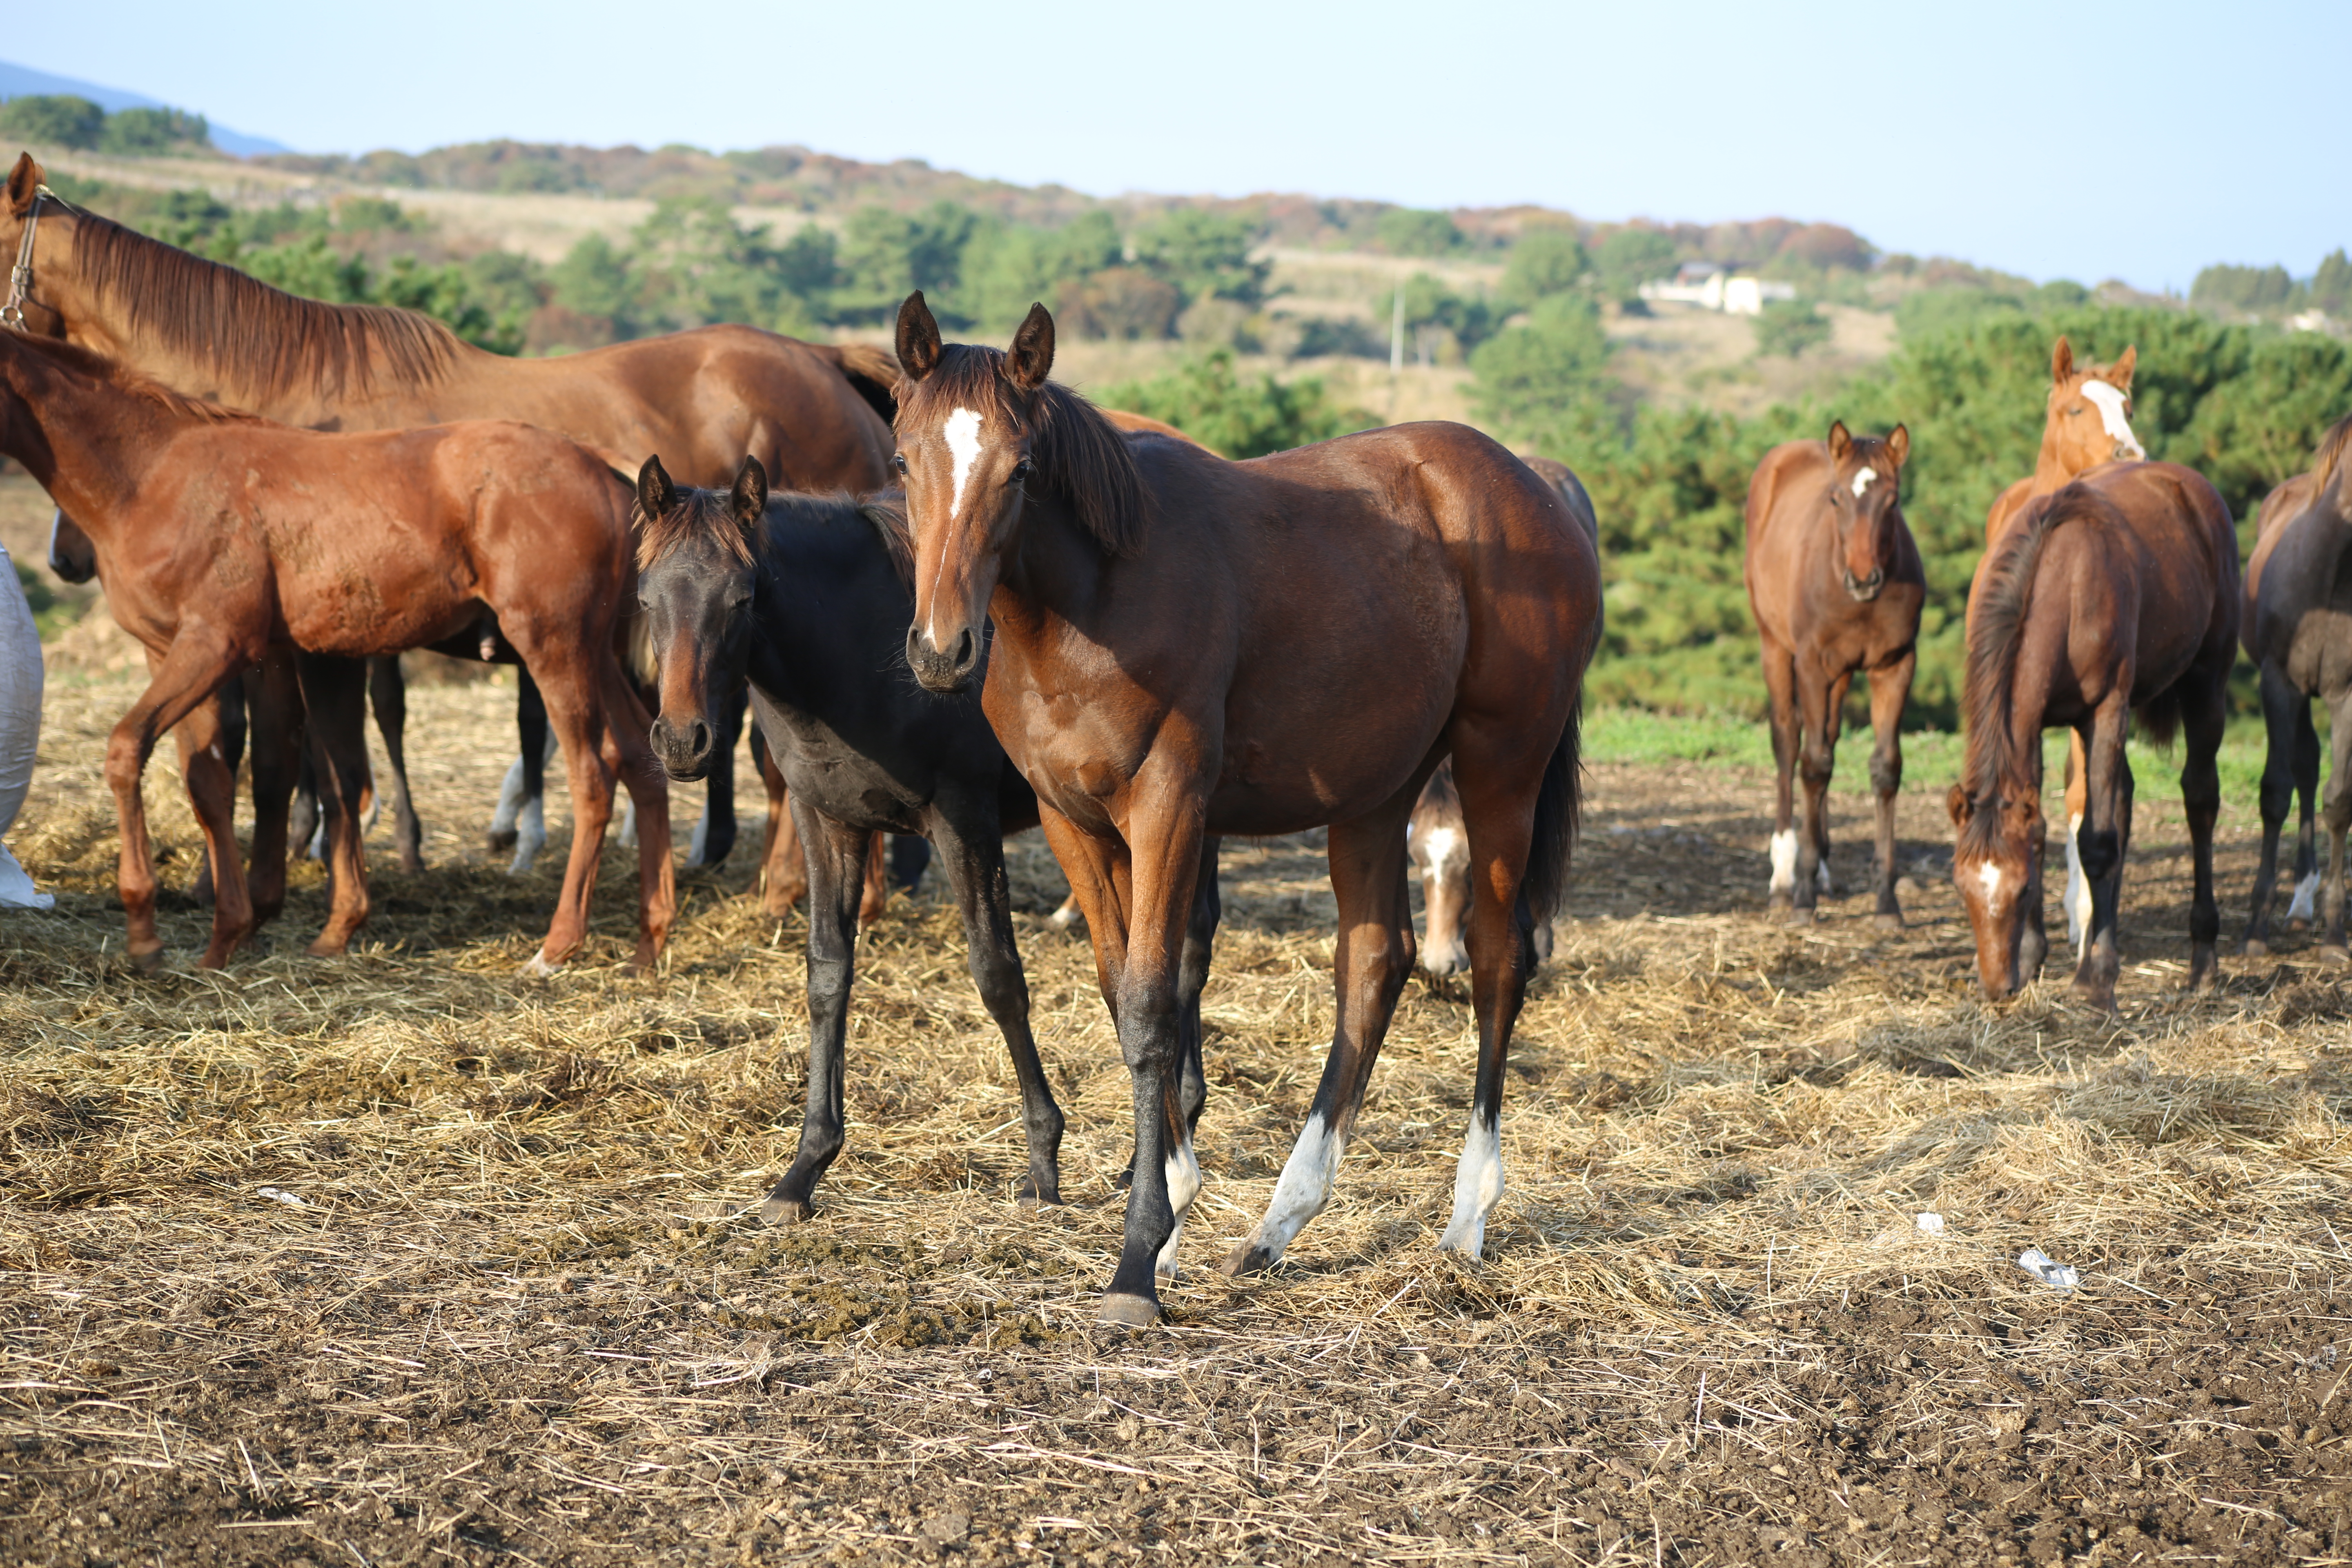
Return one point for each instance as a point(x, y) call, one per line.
point(2088, 422)
point(1187, 647)
point(1835, 583)
point(2116, 596)
point(816, 415)
point(224, 539)
point(2298, 604)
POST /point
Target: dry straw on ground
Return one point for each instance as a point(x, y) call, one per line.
point(402, 1257)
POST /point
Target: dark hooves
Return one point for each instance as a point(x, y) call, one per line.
point(500, 841)
point(1121, 1310)
point(148, 963)
point(781, 1210)
point(1029, 1195)
point(1246, 1259)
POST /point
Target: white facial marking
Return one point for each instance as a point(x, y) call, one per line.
point(1304, 1189)
point(1784, 861)
point(1990, 875)
point(2305, 894)
point(2078, 888)
point(1477, 1187)
point(1862, 481)
point(1445, 849)
point(2111, 415)
point(963, 444)
point(1184, 1172)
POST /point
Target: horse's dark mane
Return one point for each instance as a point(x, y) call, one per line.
point(1079, 456)
point(1995, 638)
point(269, 342)
point(123, 378)
point(705, 514)
point(2330, 455)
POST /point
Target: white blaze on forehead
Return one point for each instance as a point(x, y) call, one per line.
point(1862, 481)
point(963, 446)
point(2111, 415)
point(1988, 873)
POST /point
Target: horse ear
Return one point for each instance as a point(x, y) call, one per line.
point(1898, 446)
point(749, 500)
point(2121, 371)
point(918, 338)
point(2062, 361)
point(23, 183)
point(1956, 803)
point(656, 495)
point(1030, 359)
point(1840, 442)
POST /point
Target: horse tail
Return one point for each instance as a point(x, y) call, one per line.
point(1558, 801)
point(872, 372)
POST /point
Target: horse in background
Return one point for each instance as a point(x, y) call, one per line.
point(1835, 584)
point(2298, 607)
point(1185, 646)
point(2086, 423)
point(2115, 597)
point(225, 540)
point(816, 416)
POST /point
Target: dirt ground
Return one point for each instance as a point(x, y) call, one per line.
point(402, 1257)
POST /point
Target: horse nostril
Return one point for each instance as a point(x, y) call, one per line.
point(699, 738)
point(963, 649)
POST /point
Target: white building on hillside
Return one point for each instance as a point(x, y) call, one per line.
point(1714, 288)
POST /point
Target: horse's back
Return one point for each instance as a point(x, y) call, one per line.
point(2185, 548)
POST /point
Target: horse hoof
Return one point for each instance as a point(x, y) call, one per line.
point(784, 1211)
point(1887, 920)
point(148, 963)
point(499, 840)
point(2256, 948)
point(1030, 1194)
point(1246, 1258)
point(539, 968)
point(2101, 996)
point(1804, 916)
point(328, 947)
point(1122, 1310)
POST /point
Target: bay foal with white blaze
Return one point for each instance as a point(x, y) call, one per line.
point(1186, 647)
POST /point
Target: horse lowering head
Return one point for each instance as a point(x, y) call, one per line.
point(1865, 474)
point(983, 437)
point(2090, 411)
point(1997, 866)
point(697, 565)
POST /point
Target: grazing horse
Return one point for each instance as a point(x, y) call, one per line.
point(816, 415)
point(2116, 596)
point(224, 539)
point(806, 596)
point(1835, 583)
point(2088, 423)
point(2298, 632)
point(1187, 647)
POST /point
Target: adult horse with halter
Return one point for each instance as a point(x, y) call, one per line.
point(2115, 597)
point(2087, 422)
point(815, 415)
point(1186, 647)
point(224, 539)
point(2298, 632)
point(807, 598)
point(1836, 583)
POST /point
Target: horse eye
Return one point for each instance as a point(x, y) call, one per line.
point(898, 463)
point(1021, 471)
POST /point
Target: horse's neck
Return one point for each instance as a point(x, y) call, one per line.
point(2051, 473)
point(1054, 574)
point(96, 442)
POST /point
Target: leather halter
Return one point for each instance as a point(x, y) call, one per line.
point(20, 280)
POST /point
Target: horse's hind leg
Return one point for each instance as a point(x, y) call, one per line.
point(2337, 816)
point(334, 696)
point(1890, 688)
point(565, 667)
point(629, 755)
point(273, 697)
point(2280, 702)
point(212, 790)
point(2078, 887)
point(2306, 789)
point(2204, 713)
point(231, 750)
point(836, 856)
point(1370, 962)
point(966, 827)
point(388, 694)
point(2104, 835)
point(1781, 681)
point(1193, 978)
point(520, 822)
point(784, 873)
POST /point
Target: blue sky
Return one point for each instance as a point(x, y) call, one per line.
point(2090, 141)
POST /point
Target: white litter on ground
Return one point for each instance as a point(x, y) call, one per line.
point(2042, 1267)
point(280, 1196)
point(1929, 1224)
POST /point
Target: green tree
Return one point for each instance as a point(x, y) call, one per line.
point(1526, 374)
point(1545, 261)
point(593, 280)
point(2331, 286)
point(886, 254)
point(1630, 257)
point(1790, 327)
point(1205, 254)
point(148, 131)
point(1239, 415)
point(1433, 311)
point(2252, 290)
point(1409, 231)
point(1008, 266)
point(55, 120)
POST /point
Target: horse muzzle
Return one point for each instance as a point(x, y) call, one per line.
point(943, 671)
point(684, 749)
point(1865, 589)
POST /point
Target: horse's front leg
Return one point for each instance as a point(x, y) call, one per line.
point(273, 698)
point(565, 667)
point(631, 757)
point(212, 790)
point(187, 674)
point(1821, 694)
point(2307, 788)
point(783, 877)
point(1890, 688)
point(334, 698)
point(835, 857)
point(2337, 816)
point(2105, 830)
point(388, 695)
point(2204, 713)
point(2280, 702)
point(1781, 682)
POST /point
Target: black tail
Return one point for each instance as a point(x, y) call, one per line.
point(1557, 804)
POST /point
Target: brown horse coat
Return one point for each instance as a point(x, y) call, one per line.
point(225, 538)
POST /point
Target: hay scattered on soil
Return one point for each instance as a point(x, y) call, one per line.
point(402, 1257)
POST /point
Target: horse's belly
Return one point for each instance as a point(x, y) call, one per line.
point(2319, 658)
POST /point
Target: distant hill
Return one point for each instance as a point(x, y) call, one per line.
point(16, 81)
